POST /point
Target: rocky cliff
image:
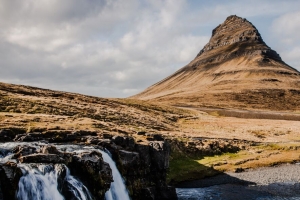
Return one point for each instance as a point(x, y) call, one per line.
point(143, 164)
point(234, 69)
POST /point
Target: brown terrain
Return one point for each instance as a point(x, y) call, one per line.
point(235, 69)
point(203, 142)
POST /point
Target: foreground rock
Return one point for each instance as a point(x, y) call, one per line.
point(143, 165)
point(10, 175)
point(92, 171)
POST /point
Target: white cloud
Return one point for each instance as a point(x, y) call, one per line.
point(113, 48)
point(285, 31)
point(287, 26)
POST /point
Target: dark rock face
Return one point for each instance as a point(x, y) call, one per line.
point(41, 158)
point(6, 135)
point(143, 165)
point(89, 167)
point(51, 136)
point(25, 150)
point(93, 172)
point(144, 168)
point(10, 175)
point(235, 37)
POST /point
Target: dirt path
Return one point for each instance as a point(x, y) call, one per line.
point(249, 114)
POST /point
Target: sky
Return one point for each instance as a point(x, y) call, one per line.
point(118, 48)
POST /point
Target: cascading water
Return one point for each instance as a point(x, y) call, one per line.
point(38, 183)
point(48, 181)
point(117, 189)
point(41, 183)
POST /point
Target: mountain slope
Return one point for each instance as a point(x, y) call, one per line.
point(235, 69)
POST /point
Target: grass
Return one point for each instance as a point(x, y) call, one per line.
point(184, 167)
point(294, 116)
point(258, 156)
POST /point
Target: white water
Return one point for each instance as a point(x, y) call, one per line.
point(41, 184)
point(77, 188)
point(35, 184)
point(117, 189)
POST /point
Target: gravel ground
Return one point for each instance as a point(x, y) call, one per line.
point(286, 173)
point(279, 182)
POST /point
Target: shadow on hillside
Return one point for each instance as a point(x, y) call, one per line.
point(186, 172)
point(218, 179)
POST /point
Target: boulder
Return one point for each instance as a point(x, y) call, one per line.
point(90, 168)
point(10, 175)
point(23, 150)
point(6, 135)
point(49, 149)
point(42, 158)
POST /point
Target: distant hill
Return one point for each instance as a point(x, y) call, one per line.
point(25, 107)
point(234, 69)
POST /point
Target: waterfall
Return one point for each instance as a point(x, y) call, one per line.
point(34, 184)
point(52, 181)
point(117, 189)
point(41, 183)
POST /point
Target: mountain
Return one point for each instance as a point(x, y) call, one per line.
point(234, 69)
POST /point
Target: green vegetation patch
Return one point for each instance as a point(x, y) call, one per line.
point(184, 169)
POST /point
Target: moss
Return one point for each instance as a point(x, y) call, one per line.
point(184, 168)
point(210, 160)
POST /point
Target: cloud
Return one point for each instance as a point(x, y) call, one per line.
point(110, 48)
point(286, 26)
point(285, 29)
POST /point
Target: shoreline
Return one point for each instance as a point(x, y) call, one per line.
point(283, 173)
point(278, 182)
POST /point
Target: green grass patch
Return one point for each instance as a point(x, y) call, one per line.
point(184, 169)
point(210, 160)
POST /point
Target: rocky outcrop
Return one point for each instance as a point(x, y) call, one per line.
point(10, 175)
point(41, 158)
point(23, 150)
point(144, 167)
point(57, 136)
point(90, 168)
point(143, 164)
point(7, 135)
point(208, 147)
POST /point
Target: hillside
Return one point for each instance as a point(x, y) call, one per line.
point(235, 69)
point(34, 109)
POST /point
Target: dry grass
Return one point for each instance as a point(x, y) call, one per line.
point(256, 156)
point(84, 112)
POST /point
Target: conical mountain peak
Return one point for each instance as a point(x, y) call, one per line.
point(239, 35)
point(236, 69)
